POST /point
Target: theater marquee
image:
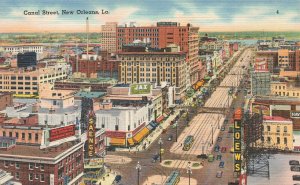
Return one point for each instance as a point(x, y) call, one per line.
point(237, 144)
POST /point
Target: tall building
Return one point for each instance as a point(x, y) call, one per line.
point(108, 36)
point(161, 36)
point(26, 59)
point(260, 83)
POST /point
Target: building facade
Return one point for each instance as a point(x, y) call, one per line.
point(278, 133)
point(154, 67)
point(22, 48)
point(108, 36)
point(6, 100)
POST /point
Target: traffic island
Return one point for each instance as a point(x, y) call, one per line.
point(181, 164)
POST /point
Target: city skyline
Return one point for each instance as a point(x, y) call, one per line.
point(208, 15)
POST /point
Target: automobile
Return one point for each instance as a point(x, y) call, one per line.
point(221, 164)
point(222, 128)
point(211, 158)
point(172, 122)
point(295, 168)
point(217, 148)
point(170, 137)
point(219, 157)
point(219, 174)
point(223, 149)
point(155, 158)
point(219, 139)
point(164, 131)
point(294, 162)
point(232, 150)
point(225, 121)
point(202, 156)
point(118, 178)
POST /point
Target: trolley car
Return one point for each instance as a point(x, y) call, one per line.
point(189, 140)
point(173, 179)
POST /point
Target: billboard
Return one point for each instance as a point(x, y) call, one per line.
point(237, 143)
point(91, 134)
point(140, 88)
point(62, 132)
point(295, 114)
point(256, 108)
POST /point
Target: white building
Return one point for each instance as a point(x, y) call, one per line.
point(22, 48)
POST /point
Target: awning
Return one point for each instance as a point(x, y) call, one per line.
point(150, 127)
point(139, 136)
point(130, 141)
point(117, 141)
point(159, 119)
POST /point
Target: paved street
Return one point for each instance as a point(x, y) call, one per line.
point(201, 126)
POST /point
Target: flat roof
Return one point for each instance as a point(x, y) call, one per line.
point(35, 151)
point(280, 172)
point(276, 118)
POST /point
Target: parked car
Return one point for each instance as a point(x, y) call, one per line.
point(219, 174)
point(295, 168)
point(170, 138)
point(217, 148)
point(202, 156)
point(294, 162)
point(219, 157)
point(222, 128)
point(219, 139)
point(118, 178)
point(155, 158)
point(223, 149)
point(211, 158)
point(221, 165)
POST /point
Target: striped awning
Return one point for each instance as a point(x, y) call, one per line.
point(139, 136)
point(117, 141)
point(159, 119)
point(130, 141)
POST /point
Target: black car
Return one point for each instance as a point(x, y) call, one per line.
point(118, 178)
point(202, 156)
point(155, 158)
point(294, 162)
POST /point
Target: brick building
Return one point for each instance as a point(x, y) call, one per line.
point(162, 35)
point(6, 99)
point(52, 166)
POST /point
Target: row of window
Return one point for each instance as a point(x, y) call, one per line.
point(277, 128)
point(31, 166)
point(277, 141)
point(29, 135)
point(36, 176)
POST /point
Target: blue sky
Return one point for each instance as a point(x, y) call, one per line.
point(209, 15)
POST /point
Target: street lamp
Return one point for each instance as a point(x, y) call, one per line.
point(189, 171)
point(138, 167)
point(160, 142)
point(212, 134)
point(176, 124)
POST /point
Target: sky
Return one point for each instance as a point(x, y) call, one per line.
point(208, 15)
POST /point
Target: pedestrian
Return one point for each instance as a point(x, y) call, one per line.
point(180, 144)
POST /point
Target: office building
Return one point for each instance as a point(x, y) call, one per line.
point(108, 36)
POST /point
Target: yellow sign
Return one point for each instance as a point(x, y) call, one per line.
point(91, 136)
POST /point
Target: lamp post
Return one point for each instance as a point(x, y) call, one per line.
point(160, 142)
point(189, 171)
point(138, 167)
point(212, 134)
point(176, 124)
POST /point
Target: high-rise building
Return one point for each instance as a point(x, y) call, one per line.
point(108, 36)
point(161, 36)
point(26, 59)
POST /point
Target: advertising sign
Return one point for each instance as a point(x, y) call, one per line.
point(237, 143)
point(140, 88)
point(62, 132)
point(265, 109)
point(51, 179)
point(91, 134)
point(295, 114)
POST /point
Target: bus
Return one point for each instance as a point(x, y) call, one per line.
point(189, 140)
point(173, 178)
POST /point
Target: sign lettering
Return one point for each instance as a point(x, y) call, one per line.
point(295, 115)
point(237, 143)
point(62, 132)
point(91, 135)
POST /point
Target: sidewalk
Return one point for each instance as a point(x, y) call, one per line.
point(152, 136)
point(108, 178)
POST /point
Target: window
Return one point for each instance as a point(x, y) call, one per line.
point(42, 166)
point(17, 165)
point(268, 128)
point(10, 134)
point(36, 137)
point(268, 139)
point(30, 166)
point(29, 136)
point(285, 129)
point(262, 139)
point(12, 163)
point(42, 177)
point(17, 135)
point(278, 129)
point(30, 177)
point(3, 133)
point(278, 140)
point(23, 136)
point(285, 141)
point(17, 175)
point(36, 176)
point(102, 125)
point(116, 127)
point(6, 163)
